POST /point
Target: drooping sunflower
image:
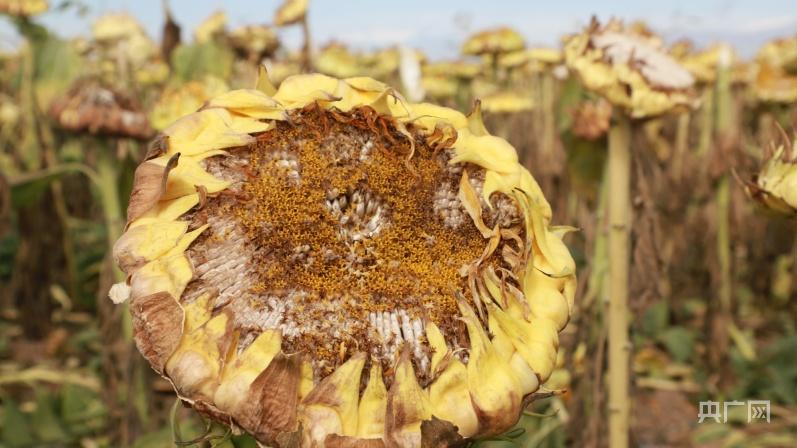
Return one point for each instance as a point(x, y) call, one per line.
point(291, 12)
point(254, 42)
point(494, 41)
point(326, 264)
point(442, 80)
point(629, 68)
point(178, 100)
point(776, 71)
point(335, 59)
point(93, 108)
point(775, 186)
point(211, 28)
point(591, 119)
point(507, 101)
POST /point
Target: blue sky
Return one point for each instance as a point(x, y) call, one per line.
point(439, 26)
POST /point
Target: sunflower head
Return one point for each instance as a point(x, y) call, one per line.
point(90, 107)
point(629, 68)
point(335, 59)
point(179, 100)
point(121, 35)
point(455, 69)
point(776, 77)
point(507, 101)
point(291, 12)
point(326, 264)
point(591, 119)
point(775, 186)
point(254, 42)
point(115, 27)
point(211, 28)
point(493, 41)
point(24, 8)
point(382, 63)
point(703, 65)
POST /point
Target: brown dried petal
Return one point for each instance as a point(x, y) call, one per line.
point(149, 183)
point(157, 327)
point(404, 404)
point(436, 433)
point(273, 397)
point(336, 441)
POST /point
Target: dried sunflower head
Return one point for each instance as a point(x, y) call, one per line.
point(539, 58)
point(326, 264)
point(291, 12)
point(776, 77)
point(283, 68)
point(703, 65)
point(631, 70)
point(122, 34)
point(335, 59)
point(493, 41)
point(455, 69)
point(591, 119)
point(440, 86)
point(90, 107)
point(382, 63)
point(776, 185)
point(254, 42)
point(507, 101)
point(24, 8)
point(211, 28)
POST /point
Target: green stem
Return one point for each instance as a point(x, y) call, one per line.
point(706, 125)
point(307, 63)
point(681, 145)
point(107, 178)
point(725, 131)
point(619, 178)
point(724, 103)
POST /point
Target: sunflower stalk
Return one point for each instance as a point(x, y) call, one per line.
point(681, 145)
point(619, 178)
point(307, 63)
point(706, 122)
point(724, 120)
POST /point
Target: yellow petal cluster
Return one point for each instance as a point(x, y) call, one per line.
point(631, 70)
point(512, 326)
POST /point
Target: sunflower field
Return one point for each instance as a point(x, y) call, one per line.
point(215, 238)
